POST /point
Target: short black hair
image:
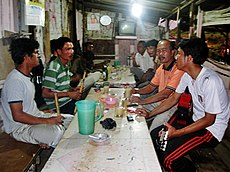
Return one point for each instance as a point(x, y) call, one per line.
point(196, 47)
point(53, 45)
point(60, 42)
point(152, 42)
point(21, 47)
point(142, 42)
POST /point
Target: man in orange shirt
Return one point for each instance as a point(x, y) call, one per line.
point(166, 79)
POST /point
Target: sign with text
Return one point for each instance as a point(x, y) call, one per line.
point(35, 12)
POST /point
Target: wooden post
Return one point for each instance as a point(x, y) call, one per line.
point(46, 38)
point(191, 16)
point(178, 27)
point(199, 22)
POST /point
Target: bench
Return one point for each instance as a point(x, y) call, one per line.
point(17, 156)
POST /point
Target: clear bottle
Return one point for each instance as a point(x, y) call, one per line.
point(105, 73)
point(109, 68)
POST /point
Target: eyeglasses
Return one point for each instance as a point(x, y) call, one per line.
point(36, 52)
point(163, 50)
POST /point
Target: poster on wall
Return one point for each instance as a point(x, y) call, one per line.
point(105, 31)
point(35, 12)
point(93, 21)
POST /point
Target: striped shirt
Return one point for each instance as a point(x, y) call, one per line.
point(57, 79)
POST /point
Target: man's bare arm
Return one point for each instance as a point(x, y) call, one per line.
point(164, 94)
point(166, 104)
point(22, 117)
point(200, 124)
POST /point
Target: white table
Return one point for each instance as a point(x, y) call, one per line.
point(126, 77)
point(129, 149)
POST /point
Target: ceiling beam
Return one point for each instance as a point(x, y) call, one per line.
point(174, 11)
point(119, 5)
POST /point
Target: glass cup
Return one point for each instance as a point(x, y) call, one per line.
point(128, 92)
point(106, 87)
point(119, 111)
point(125, 103)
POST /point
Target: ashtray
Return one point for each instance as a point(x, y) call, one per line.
point(99, 137)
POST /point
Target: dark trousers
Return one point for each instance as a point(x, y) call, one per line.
point(173, 158)
point(68, 108)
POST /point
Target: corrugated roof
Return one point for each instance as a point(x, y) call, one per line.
point(154, 9)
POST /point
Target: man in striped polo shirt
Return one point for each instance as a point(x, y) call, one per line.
point(57, 79)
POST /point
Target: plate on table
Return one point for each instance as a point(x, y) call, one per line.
point(99, 137)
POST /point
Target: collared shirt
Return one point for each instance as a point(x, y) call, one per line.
point(208, 95)
point(57, 79)
point(144, 61)
point(167, 78)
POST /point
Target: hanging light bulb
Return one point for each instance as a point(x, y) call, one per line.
point(136, 10)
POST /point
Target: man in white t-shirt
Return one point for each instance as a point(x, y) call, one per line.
point(144, 60)
point(21, 117)
point(211, 109)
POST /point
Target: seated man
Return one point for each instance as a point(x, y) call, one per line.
point(53, 50)
point(57, 79)
point(144, 61)
point(21, 117)
point(88, 58)
point(165, 80)
point(211, 108)
point(151, 49)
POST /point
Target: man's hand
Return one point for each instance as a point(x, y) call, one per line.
point(55, 120)
point(135, 99)
point(132, 55)
point(76, 88)
point(48, 111)
point(142, 112)
point(134, 91)
point(76, 95)
point(171, 131)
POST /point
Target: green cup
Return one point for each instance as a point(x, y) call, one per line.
point(86, 116)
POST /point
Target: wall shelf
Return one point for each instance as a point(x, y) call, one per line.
point(126, 37)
